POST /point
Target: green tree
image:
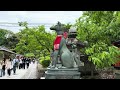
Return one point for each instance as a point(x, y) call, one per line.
point(11, 41)
point(8, 39)
point(35, 40)
point(100, 29)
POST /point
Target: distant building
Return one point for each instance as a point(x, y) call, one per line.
point(6, 53)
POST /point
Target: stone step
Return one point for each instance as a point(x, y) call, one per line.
point(62, 74)
point(62, 70)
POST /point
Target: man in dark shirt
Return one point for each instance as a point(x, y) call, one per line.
point(27, 62)
point(23, 62)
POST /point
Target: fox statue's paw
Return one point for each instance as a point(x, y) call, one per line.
point(53, 66)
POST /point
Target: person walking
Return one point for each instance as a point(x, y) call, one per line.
point(3, 66)
point(23, 62)
point(20, 63)
point(27, 62)
point(0, 69)
point(8, 66)
point(15, 64)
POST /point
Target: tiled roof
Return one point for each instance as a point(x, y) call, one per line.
point(6, 50)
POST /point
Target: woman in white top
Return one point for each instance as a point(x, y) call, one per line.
point(8, 66)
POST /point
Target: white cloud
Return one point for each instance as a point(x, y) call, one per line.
point(38, 17)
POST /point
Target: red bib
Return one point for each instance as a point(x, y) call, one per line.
point(57, 42)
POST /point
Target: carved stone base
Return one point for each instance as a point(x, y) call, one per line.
point(62, 73)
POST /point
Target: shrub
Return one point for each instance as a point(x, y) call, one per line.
point(47, 58)
point(102, 55)
point(45, 63)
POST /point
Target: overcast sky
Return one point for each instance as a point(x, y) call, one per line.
point(51, 17)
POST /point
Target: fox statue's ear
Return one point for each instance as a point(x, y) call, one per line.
point(59, 23)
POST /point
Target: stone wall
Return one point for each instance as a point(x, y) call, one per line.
point(41, 71)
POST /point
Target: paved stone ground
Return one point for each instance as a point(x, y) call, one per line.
point(29, 73)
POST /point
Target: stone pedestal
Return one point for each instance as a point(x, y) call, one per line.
point(62, 73)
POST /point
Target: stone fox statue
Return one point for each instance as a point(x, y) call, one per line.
point(56, 43)
point(60, 48)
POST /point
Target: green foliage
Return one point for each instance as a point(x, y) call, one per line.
point(11, 41)
point(47, 58)
point(35, 40)
point(100, 29)
point(23, 24)
point(29, 55)
point(4, 34)
point(67, 26)
point(8, 39)
point(103, 55)
point(45, 61)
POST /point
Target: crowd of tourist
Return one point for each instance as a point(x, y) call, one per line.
point(9, 65)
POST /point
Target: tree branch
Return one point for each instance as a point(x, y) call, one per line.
point(42, 44)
